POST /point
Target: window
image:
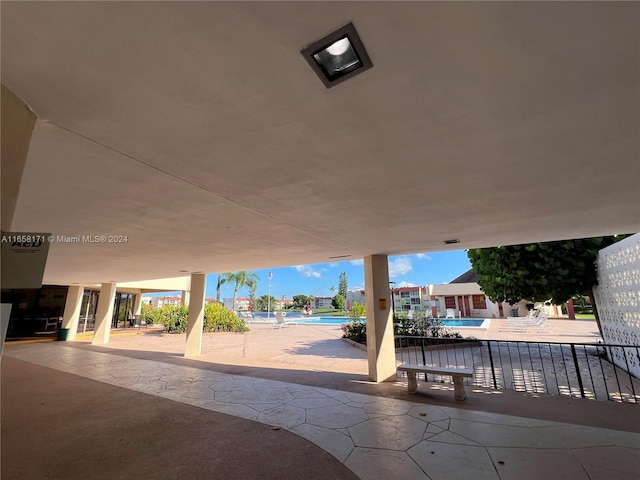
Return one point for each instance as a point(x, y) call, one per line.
point(479, 302)
point(415, 301)
point(450, 302)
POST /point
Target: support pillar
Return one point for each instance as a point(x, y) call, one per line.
point(104, 314)
point(380, 343)
point(184, 300)
point(72, 308)
point(570, 310)
point(17, 125)
point(196, 315)
point(137, 304)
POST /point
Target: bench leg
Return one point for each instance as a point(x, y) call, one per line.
point(413, 382)
point(458, 388)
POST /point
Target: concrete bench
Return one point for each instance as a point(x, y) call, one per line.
point(456, 373)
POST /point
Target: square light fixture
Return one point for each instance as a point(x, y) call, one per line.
point(338, 56)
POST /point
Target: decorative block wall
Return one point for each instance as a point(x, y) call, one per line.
point(618, 300)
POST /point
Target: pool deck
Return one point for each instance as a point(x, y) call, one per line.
point(288, 403)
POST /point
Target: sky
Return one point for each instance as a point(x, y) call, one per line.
point(316, 279)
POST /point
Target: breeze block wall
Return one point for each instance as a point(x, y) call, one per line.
point(618, 300)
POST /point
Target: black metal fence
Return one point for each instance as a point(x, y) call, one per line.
point(573, 369)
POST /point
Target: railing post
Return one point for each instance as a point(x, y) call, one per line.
point(493, 370)
point(633, 390)
point(424, 359)
point(575, 363)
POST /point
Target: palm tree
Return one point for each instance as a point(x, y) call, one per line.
point(222, 279)
point(243, 279)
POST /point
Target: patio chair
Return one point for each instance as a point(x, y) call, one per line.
point(535, 320)
point(451, 313)
point(280, 321)
point(541, 324)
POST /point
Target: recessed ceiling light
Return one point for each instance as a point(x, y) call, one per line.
point(338, 56)
point(453, 240)
point(183, 271)
point(340, 256)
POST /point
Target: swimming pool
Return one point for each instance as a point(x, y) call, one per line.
point(479, 323)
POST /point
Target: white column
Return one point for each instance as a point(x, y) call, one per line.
point(380, 345)
point(137, 304)
point(196, 315)
point(104, 314)
point(72, 308)
point(184, 300)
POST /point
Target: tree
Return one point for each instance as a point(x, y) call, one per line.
point(299, 301)
point(540, 272)
point(342, 284)
point(252, 295)
point(222, 279)
point(357, 311)
point(243, 279)
point(264, 301)
point(338, 302)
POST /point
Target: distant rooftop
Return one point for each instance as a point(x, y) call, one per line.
point(467, 277)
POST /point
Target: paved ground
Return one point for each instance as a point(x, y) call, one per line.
point(304, 380)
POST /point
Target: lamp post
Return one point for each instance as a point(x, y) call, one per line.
point(393, 302)
point(269, 295)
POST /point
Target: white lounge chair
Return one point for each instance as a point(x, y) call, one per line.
point(535, 320)
point(280, 321)
point(451, 313)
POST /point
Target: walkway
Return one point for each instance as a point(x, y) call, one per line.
point(387, 435)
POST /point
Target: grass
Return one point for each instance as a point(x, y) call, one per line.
point(587, 316)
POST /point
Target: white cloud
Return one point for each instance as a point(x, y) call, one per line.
point(308, 271)
point(423, 256)
point(357, 262)
point(334, 264)
point(405, 284)
point(399, 266)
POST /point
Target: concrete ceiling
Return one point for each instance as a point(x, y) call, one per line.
point(199, 132)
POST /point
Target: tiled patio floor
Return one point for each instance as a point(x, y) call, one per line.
point(376, 437)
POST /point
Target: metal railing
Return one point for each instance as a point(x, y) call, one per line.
point(553, 368)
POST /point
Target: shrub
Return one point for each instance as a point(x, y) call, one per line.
point(150, 314)
point(357, 311)
point(175, 318)
point(220, 319)
point(423, 326)
point(355, 330)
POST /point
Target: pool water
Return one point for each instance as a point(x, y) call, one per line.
point(447, 322)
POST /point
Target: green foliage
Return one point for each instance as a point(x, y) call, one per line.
point(265, 303)
point(222, 279)
point(243, 279)
point(422, 326)
point(299, 301)
point(357, 311)
point(419, 326)
point(538, 271)
point(582, 304)
point(355, 330)
point(174, 318)
point(220, 319)
point(342, 285)
point(150, 314)
point(338, 302)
